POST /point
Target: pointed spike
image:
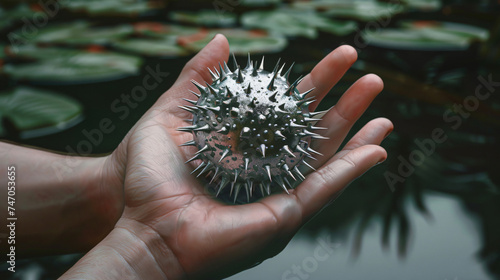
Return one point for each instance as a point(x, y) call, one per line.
point(275, 70)
point(223, 183)
point(254, 72)
point(221, 70)
point(311, 157)
point(249, 62)
point(296, 125)
point(287, 73)
point(320, 137)
point(213, 75)
point(272, 98)
point(305, 93)
point(261, 67)
point(202, 150)
point(248, 192)
point(222, 130)
point(216, 72)
point(278, 133)
point(247, 161)
point(318, 127)
point(215, 174)
point(188, 143)
point(201, 88)
point(299, 173)
point(281, 69)
point(232, 189)
point(248, 90)
point(187, 128)
point(226, 69)
point(205, 127)
point(287, 169)
point(288, 151)
point(196, 94)
point(305, 102)
point(228, 92)
point(236, 173)
point(224, 154)
point(190, 101)
point(299, 148)
point(198, 168)
point(207, 167)
point(235, 63)
point(280, 182)
point(261, 187)
point(239, 79)
point(268, 171)
point(236, 192)
point(307, 119)
point(314, 152)
point(271, 83)
point(263, 150)
point(212, 89)
point(250, 186)
point(193, 158)
point(187, 109)
point(288, 182)
point(312, 114)
point(308, 165)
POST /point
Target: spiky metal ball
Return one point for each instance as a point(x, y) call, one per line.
point(252, 128)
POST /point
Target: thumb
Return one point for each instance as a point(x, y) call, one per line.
point(209, 57)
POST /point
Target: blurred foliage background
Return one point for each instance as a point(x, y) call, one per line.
point(67, 65)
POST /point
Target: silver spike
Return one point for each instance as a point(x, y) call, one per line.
point(202, 150)
point(314, 152)
point(248, 90)
point(261, 187)
point(308, 165)
point(235, 63)
point(196, 94)
point(275, 70)
point(287, 73)
point(248, 192)
point(296, 125)
point(296, 170)
point(267, 185)
point(312, 114)
point(188, 143)
point(216, 72)
point(254, 72)
point(187, 128)
point(213, 75)
point(207, 167)
point(249, 62)
point(271, 83)
point(222, 130)
point(307, 119)
point(318, 127)
point(279, 181)
point(190, 101)
point(268, 171)
point(281, 69)
point(287, 149)
point(278, 133)
point(263, 150)
point(236, 173)
point(299, 148)
point(224, 154)
point(193, 158)
point(201, 88)
point(198, 168)
point(222, 185)
point(212, 89)
point(236, 191)
point(299, 103)
point(221, 70)
point(247, 161)
point(187, 109)
point(261, 67)
point(288, 182)
point(287, 169)
point(305, 93)
point(205, 127)
point(239, 79)
point(226, 69)
point(250, 186)
point(215, 174)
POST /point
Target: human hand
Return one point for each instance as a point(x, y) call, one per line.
point(172, 228)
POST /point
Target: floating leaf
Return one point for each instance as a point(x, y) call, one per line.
point(33, 112)
point(113, 7)
point(211, 18)
point(151, 47)
point(56, 65)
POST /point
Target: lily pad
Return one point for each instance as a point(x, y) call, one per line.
point(56, 66)
point(166, 47)
point(34, 112)
point(427, 36)
point(113, 7)
point(296, 23)
point(241, 41)
point(11, 16)
point(161, 30)
point(364, 10)
point(210, 18)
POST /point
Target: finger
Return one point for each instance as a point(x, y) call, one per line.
point(373, 133)
point(322, 186)
point(344, 114)
point(196, 69)
point(327, 73)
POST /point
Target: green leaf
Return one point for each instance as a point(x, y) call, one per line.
point(34, 112)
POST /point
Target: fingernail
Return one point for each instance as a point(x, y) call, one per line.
point(381, 161)
point(388, 133)
point(214, 37)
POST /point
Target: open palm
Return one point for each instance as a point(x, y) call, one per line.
point(166, 206)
